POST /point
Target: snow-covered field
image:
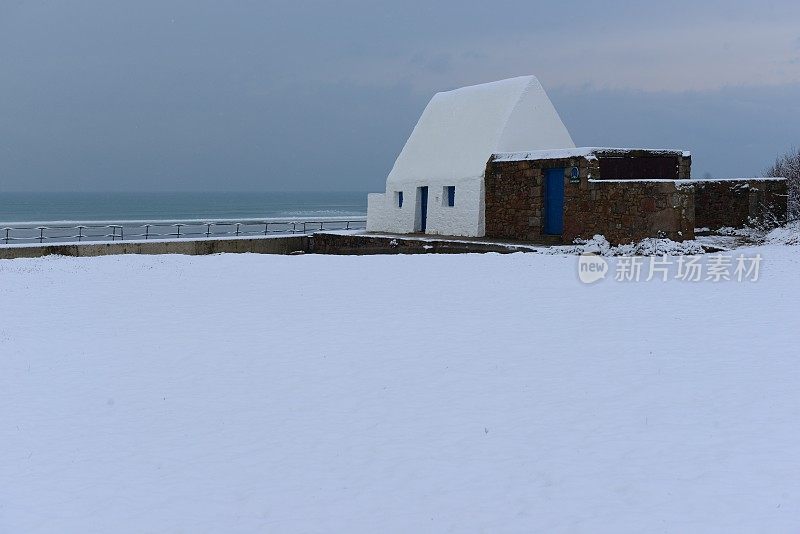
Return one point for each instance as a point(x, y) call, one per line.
point(471, 393)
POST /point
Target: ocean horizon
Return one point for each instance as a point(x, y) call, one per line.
point(153, 206)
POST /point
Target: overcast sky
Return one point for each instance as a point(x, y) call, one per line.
point(303, 95)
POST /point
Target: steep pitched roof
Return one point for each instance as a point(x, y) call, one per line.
point(460, 129)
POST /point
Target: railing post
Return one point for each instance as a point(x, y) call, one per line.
point(237, 229)
point(7, 230)
point(294, 227)
point(147, 231)
point(122, 233)
point(179, 230)
point(41, 234)
point(304, 227)
point(208, 229)
point(266, 228)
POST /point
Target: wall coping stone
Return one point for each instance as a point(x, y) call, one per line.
point(585, 152)
point(684, 181)
point(758, 179)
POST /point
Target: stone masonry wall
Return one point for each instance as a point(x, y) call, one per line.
point(513, 201)
point(685, 167)
point(737, 203)
point(359, 244)
point(514, 195)
point(623, 211)
point(630, 210)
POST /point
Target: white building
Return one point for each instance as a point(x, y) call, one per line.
point(437, 183)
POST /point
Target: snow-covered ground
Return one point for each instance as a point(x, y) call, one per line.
point(427, 393)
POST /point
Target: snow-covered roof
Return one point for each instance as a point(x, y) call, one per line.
point(584, 152)
point(459, 130)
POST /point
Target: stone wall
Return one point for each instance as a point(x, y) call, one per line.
point(629, 210)
point(623, 211)
point(514, 201)
point(193, 247)
point(737, 203)
point(355, 244)
point(514, 195)
point(685, 167)
point(317, 243)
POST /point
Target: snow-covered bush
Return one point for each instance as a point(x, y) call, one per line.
point(647, 247)
point(596, 245)
point(788, 166)
point(659, 247)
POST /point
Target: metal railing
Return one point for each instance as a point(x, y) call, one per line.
point(64, 232)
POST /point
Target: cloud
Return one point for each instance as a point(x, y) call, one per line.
point(735, 131)
point(438, 63)
point(693, 57)
point(184, 94)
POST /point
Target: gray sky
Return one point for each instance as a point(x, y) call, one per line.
point(305, 95)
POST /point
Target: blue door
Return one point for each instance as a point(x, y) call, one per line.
point(554, 202)
point(423, 209)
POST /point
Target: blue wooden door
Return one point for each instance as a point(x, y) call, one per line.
point(423, 208)
point(554, 202)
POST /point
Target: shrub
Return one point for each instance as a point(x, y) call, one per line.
point(788, 166)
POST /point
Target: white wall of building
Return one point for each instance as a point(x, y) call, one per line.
point(450, 146)
point(459, 220)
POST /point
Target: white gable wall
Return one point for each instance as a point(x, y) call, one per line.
point(534, 121)
point(450, 145)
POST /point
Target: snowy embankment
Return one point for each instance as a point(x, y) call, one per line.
point(785, 235)
point(246, 393)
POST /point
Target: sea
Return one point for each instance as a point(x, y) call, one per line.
point(67, 217)
point(98, 206)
